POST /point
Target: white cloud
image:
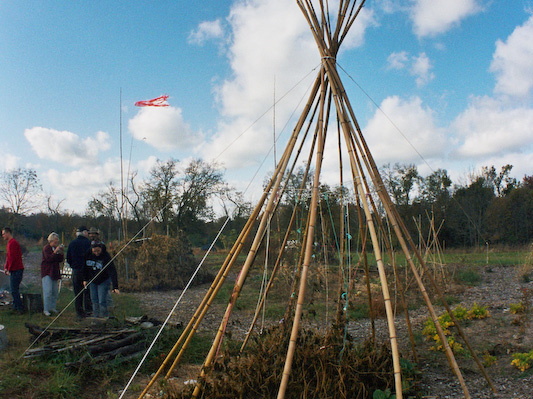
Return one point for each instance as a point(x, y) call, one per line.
point(163, 128)
point(432, 17)
point(356, 34)
point(9, 161)
point(205, 31)
point(513, 62)
point(66, 147)
point(398, 60)
point(412, 135)
point(489, 128)
point(86, 180)
point(76, 187)
point(262, 56)
point(421, 68)
point(270, 53)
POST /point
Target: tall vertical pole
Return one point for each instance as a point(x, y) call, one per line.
point(121, 216)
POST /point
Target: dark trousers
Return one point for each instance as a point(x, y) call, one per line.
point(82, 296)
point(15, 278)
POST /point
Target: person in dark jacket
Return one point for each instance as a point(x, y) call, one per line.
point(77, 249)
point(100, 275)
point(51, 273)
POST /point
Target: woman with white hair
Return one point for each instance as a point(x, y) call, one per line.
point(51, 273)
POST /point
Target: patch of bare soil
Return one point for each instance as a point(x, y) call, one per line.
point(500, 335)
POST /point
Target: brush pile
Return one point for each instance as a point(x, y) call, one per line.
point(157, 263)
point(95, 345)
point(325, 366)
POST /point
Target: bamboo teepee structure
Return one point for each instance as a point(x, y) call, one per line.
point(328, 105)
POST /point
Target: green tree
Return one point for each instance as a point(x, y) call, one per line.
point(160, 190)
point(435, 187)
point(200, 182)
point(466, 219)
point(509, 219)
point(400, 181)
point(501, 182)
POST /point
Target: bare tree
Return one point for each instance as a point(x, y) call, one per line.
point(21, 190)
point(136, 201)
point(107, 204)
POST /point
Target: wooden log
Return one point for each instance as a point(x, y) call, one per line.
point(111, 345)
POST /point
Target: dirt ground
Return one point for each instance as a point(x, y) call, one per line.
point(500, 335)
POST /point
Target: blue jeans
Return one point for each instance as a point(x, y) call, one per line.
point(99, 294)
point(50, 290)
point(15, 278)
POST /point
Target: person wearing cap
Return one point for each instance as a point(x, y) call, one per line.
point(94, 235)
point(77, 249)
point(100, 275)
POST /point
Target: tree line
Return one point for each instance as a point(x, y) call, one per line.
point(490, 207)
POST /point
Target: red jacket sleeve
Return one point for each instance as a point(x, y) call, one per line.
point(14, 256)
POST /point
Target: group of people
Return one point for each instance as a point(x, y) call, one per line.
point(92, 268)
point(94, 275)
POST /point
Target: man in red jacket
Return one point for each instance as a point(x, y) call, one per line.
point(13, 267)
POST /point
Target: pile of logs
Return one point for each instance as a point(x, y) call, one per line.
point(94, 344)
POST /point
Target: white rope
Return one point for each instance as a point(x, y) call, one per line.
point(173, 309)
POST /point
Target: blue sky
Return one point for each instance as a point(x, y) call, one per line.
point(455, 76)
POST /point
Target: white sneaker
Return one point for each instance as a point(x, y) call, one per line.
point(47, 313)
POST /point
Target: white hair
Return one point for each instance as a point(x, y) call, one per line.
point(52, 236)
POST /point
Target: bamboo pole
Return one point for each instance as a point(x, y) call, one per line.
point(328, 63)
point(285, 238)
point(392, 214)
point(381, 268)
point(277, 179)
point(360, 160)
point(401, 232)
point(201, 310)
point(367, 157)
point(308, 250)
point(193, 324)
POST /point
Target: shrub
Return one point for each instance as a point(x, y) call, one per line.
point(340, 368)
point(445, 321)
point(160, 262)
point(523, 361)
point(517, 308)
point(468, 277)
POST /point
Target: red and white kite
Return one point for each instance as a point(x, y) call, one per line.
point(154, 102)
